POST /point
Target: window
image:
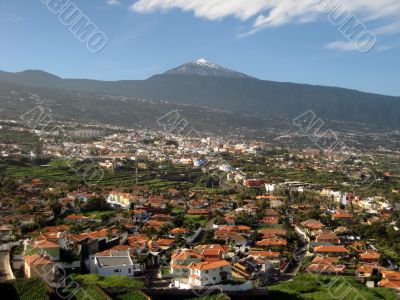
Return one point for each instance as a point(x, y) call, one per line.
point(129, 270)
point(117, 270)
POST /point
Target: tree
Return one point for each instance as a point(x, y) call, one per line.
point(56, 208)
point(96, 203)
point(9, 185)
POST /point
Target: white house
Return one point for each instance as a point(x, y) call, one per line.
point(209, 273)
point(225, 168)
point(270, 187)
point(116, 263)
point(124, 199)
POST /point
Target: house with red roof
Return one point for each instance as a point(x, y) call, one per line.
point(342, 216)
point(39, 266)
point(391, 284)
point(331, 250)
point(212, 252)
point(181, 259)
point(199, 212)
point(312, 225)
point(272, 232)
point(77, 219)
point(369, 256)
point(42, 247)
point(327, 237)
point(209, 273)
point(272, 242)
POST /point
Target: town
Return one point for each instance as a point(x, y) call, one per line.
point(119, 213)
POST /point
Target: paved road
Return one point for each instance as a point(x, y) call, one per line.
point(392, 265)
point(301, 250)
point(209, 225)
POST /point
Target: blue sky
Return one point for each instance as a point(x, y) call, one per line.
point(285, 40)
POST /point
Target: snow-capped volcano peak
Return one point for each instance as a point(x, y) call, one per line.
point(203, 67)
point(205, 62)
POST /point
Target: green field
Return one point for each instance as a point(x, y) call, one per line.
point(24, 289)
point(22, 138)
point(89, 292)
point(108, 282)
point(135, 295)
point(310, 287)
point(55, 171)
point(100, 214)
point(200, 220)
point(59, 171)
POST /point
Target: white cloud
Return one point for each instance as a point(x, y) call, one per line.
point(391, 28)
point(113, 2)
point(348, 46)
point(384, 47)
point(10, 18)
point(272, 13)
point(341, 45)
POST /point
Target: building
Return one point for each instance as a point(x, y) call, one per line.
point(326, 265)
point(342, 216)
point(45, 247)
point(392, 284)
point(181, 259)
point(209, 273)
point(270, 187)
point(114, 263)
point(331, 250)
point(327, 237)
point(5, 232)
point(312, 225)
point(123, 199)
point(253, 183)
point(369, 256)
point(39, 266)
point(272, 242)
point(212, 252)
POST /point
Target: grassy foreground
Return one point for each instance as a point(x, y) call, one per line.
point(313, 287)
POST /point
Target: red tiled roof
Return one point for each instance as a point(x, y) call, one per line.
point(264, 254)
point(272, 232)
point(330, 249)
point(325, 260)
point(272, 242)
point(179, 230)
point(392, 275)
point(394, 284)
point(342, 215)
point(209, 265)
point(198, 211)
point(184, 254)
point(115, 248)
point(313, 224)
point(75, 217)
point(368, 255)
point(45, 244)
point(165, 242)
point(326, 268)
point(201, 248)
point(37, 260)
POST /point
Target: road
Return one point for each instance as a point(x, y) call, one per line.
point(209, 225)
point(392, 265)
point(301, 250)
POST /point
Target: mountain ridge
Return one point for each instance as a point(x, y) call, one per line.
point(247, 95)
